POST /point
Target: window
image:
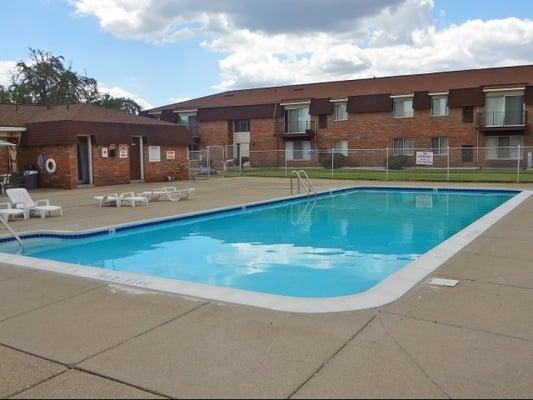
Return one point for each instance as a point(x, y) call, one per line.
point(298, 150)
point(468, 114)
point(339, 111)
point(439, 145)
point(504, 110)
point(503, 147)
point(439, 106)
point(297, 119)
point(322, 121)
point(187, 119)
point(403, 107)
point(403, 146)
point(241, 125)
point(341, 147)
point(467, 153)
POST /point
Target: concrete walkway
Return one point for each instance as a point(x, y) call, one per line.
point(63, 336)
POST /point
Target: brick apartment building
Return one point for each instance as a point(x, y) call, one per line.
point(84, 144)
point(461, 109)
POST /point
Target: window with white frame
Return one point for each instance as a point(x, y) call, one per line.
point(341, 147)
point(241, 125)
point(187, 119)
point(402, 146)
point(297, 119)
point(439, 106)
point(403, 107)
point(503, 147)
point(439, 145)
point(298, 150)
point(339, 111)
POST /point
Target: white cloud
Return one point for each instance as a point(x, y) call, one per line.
point(296, 41)
point(178, 99)
point(6, 69)
point(116, 91)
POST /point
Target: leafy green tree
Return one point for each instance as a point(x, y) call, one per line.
point(47, 80)
point(119, 104)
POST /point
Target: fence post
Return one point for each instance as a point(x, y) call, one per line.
point(518, 165)
point(208, 163)
point(387, 165)
point(447, 163)
point(286, 163)
point(332, 160)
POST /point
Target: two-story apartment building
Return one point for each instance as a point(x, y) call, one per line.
point(461, 109)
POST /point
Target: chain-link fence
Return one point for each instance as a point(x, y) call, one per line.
point(459, 164)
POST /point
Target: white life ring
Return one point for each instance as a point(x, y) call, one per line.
point(50, 166)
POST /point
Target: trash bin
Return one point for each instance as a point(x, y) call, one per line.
point(31, 179)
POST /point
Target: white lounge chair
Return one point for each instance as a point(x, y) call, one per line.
point(7, 211)
point(21, 199)
point(108, 200)
point(131, 199)
point(169, 193)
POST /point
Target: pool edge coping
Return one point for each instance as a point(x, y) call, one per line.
point(386, 291)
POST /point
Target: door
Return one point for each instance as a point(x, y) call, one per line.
point(84, 160)
point(135, 159)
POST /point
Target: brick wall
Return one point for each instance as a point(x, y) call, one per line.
point(159, 171)
point(4, 160)
point(65, 158)
point(110, 170)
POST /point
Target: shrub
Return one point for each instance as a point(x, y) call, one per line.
point(339, 161)
point(397, 162)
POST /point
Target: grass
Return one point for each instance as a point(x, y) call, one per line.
point(504, 176)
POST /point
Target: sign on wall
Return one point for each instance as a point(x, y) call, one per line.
point(105, 152)
point(154, 153)
point(171, 155)
point(123, 151)
point(424, 158)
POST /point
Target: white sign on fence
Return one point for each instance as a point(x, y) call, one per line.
point(424, 158)
point(154, 153)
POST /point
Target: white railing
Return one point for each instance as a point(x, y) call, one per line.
point(13, 233)
point(303, 181)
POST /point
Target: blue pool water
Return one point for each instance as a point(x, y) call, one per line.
point(340, 244)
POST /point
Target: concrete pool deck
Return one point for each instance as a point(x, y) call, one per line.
point(64, 336)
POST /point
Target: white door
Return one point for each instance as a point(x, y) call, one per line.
point(243, 139)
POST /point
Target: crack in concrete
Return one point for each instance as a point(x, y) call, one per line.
point(458, 326)
point(328, 360)
point(412, 358)
point(55, 302)
point(10, 395)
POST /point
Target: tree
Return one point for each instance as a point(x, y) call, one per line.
point(119, 103)
point(46, 80)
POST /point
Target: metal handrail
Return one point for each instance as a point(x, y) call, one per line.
point(13, 233)
point(309, 188)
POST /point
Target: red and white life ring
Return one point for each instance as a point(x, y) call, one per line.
point(50, 165)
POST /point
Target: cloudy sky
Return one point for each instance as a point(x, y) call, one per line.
point(162, 51)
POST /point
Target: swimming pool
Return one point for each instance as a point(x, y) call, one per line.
point(341, 243)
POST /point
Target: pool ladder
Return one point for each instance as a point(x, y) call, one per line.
point(303, 182)
point(14, 234)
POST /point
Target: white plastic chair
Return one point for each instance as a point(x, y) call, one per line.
point(21, 199)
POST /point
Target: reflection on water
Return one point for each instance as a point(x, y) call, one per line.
point(334, 246)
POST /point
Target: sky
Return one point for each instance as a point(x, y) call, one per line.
point(164, 51)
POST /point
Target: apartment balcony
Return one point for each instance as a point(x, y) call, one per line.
point(502, 120)
point(297, 129)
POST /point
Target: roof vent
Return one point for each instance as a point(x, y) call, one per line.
point(228, 95)
point(298, 89)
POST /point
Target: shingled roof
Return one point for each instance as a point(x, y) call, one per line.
point(432, 82)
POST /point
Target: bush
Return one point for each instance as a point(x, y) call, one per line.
point(339, 161)
point(397, 162)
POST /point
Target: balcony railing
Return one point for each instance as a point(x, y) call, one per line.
point(298, 127)
point(502, 119)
